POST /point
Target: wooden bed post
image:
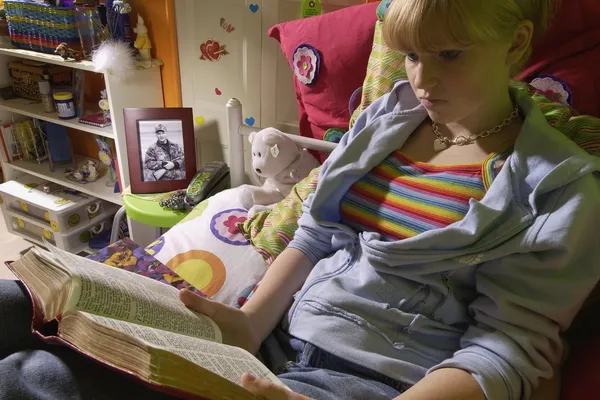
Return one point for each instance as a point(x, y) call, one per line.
point(236, 142)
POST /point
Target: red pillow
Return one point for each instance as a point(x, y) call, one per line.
point(568, 56)
point(343, 40)
point(580, 374)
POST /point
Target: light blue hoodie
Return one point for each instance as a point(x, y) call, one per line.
point(488, 294)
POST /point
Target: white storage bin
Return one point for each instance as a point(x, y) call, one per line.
point(64, 210)
point(37, 231)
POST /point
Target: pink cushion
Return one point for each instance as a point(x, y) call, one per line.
point(569, 53)
point(344, 39)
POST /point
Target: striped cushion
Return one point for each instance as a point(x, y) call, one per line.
point(270, 231)
point(385, 68)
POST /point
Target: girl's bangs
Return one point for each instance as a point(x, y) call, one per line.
point(432, 25)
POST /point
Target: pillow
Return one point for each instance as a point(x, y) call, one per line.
point(565, 61)
point(339, 44)
point(206, 247)
point(385, 67)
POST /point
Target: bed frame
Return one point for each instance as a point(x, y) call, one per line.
point(237, 130)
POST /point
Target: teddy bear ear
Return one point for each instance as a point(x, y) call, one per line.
point(251, 137)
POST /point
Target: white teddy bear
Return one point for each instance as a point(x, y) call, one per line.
point(276, 159)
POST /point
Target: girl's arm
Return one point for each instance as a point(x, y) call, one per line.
point(445, 384)
point(275, 293)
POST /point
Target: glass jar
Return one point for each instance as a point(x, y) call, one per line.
point(89, 27)
point(64, 105)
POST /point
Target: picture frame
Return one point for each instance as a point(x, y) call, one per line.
point(160, 148)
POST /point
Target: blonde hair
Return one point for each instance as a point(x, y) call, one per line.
point(426, 25)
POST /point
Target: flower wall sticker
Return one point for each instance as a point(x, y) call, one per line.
point(306, 62)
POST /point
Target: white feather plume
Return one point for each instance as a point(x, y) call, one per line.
point(115, 58)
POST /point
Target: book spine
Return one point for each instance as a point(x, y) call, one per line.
point(38, 316)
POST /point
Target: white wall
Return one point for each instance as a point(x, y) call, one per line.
point(254, 71)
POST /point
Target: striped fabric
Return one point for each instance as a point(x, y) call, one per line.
point(385, 67)
point(401, 198)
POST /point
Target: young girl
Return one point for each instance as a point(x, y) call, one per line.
point(450, 240)
point(452, 234)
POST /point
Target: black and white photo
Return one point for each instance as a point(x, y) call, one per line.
point(161, 147)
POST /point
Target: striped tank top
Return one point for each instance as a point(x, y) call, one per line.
point(401, 198)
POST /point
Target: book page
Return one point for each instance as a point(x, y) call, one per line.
point(227, 361)
point(112, 292)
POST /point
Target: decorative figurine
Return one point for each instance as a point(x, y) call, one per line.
point(87, 171)
point(66, 52)
point(104, 105)
point(105, 156)
point(142, 41)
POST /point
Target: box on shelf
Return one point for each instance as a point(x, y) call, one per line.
point(38, 26)
point(26, 74)
point(64, 210)
point(75, 242)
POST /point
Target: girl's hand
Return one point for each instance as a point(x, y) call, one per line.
point(268, 390)
point(235, 325)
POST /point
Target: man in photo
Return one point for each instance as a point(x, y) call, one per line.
point(164, 159)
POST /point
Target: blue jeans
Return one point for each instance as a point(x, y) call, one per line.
point(320, 375)
point(31, 369)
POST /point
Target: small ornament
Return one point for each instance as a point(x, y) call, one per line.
point(142, 41)
point(66, 52)
point(306, 62)
point(106, 158)
point(104, 105)
point(87, 171)
point(115, 58)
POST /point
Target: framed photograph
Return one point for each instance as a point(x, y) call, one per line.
point(160, 148)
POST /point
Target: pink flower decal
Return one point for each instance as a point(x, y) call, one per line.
point(304, 66)
point(224, 226)
point(232, 223)
point(306, 62)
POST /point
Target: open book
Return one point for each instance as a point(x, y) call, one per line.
point(133, 324)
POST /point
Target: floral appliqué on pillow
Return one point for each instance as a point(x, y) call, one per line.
point(553, 88)
point(306, 62)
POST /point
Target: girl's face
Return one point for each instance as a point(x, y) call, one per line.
point(458, 84)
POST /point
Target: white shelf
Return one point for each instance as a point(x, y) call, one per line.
point(97, 189)
point(35, 109)
point(47, 58)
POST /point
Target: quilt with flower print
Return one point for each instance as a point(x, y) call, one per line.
point(207, 250)
point(126, 254)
